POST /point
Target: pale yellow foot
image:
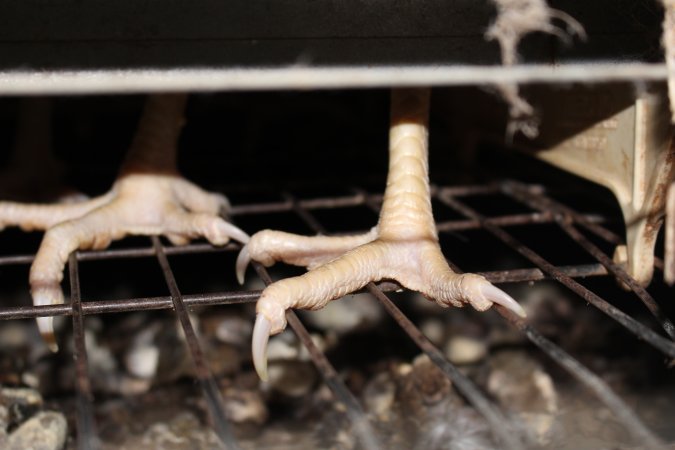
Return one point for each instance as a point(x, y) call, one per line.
point(148, 198)
point(139, 204)
point(403, 247)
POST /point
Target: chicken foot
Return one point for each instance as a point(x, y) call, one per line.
point(149, 197)
point(403, 246)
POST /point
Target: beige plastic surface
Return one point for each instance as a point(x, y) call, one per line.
point(624, 144)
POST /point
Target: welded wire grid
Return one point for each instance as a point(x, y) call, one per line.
point(547, 211)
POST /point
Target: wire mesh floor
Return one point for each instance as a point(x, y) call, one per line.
point(517, 214)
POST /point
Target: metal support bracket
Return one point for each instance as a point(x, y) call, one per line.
point(624, 143)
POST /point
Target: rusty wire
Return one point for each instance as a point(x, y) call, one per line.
point(635, 327)
point(92, 307)
point(500, 428)
point(621, 410)
point(565, 218)
point(214, 400)
point(591, 381)
point(548, 211)
point(87, 438)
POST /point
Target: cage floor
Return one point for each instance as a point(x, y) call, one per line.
point(384, 368)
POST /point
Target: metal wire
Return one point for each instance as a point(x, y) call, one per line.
point(87, 438)
point(565, 217)
point(126, 305)
point(621, 275)
point(575, 368)
point(582, 374)
point(138, 252)
point(92, 307)
point(211, 392)
point(588, 379)
point(498, 423)
point(533, 196)
point(547, 211)
point(637, 328)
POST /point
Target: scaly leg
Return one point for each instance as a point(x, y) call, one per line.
point(402, 247)
point(148, 198)
point(32, 172)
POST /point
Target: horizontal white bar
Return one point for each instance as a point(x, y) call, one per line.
point(301, 78)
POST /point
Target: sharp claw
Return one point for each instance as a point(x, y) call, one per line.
point(261, 335)
point(235, 233)
point(46, 327)
point(243, 259)
point(496, 295)
point(47, 295)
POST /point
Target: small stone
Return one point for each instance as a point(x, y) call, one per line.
point(99, 357)
point(465, 350)
point(21, 403)
point(379, 395)
point(13, 335)
point(522, 386)
point(142, 358)
point(245, 406)
point(234, 330)
point(356, 312)
point(223, 359)
point(23, 396)
point(292, 378)
point(434, 330)
point(161, 434)
point(44, 431)
point(142, 361)
point(30, 379)
point(403, 369)
point(425, 384)
point(130, 386)
point(182, 431)
point(287, 347)
point(283, 347)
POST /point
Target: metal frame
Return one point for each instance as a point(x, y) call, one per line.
point(549, 211)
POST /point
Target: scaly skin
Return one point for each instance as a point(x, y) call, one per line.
point(148, 198)
point(402, 247)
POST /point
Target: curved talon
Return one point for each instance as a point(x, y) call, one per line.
point(47, 296)
point(234, 232)
point(46, 327)
point(261, 335)
point(243, 260)
point(496, 295)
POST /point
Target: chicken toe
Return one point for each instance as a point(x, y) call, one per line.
point(268, 247)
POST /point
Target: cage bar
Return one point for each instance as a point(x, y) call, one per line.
point(548, 212)
point(211, 392)
point(87, 437)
